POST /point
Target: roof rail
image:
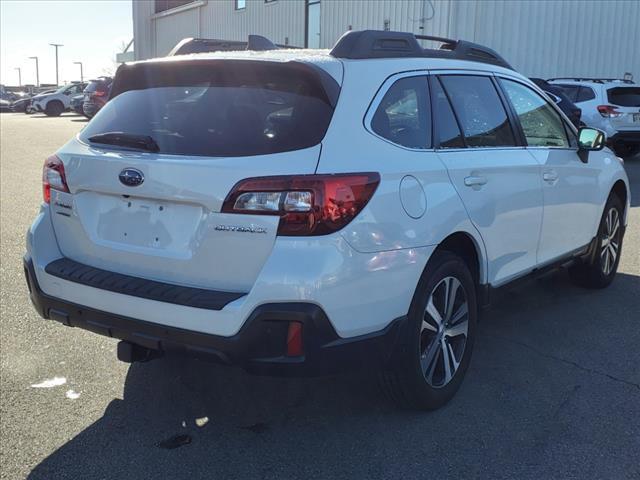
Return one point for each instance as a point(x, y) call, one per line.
point(594, 80)
point(385, 44)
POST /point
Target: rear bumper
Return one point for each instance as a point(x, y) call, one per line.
point(90, 108)
point(628, 137)
point(259, 347)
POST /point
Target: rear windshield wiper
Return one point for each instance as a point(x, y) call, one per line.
point(141, 142)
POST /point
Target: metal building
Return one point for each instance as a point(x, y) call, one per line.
point(588, 38)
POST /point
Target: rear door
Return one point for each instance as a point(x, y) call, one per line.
point(157, 214)
point(498, 181)
point(570, 186)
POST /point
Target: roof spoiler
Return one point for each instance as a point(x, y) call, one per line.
point(200, 45)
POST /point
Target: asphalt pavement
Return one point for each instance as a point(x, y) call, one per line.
point(553, 390)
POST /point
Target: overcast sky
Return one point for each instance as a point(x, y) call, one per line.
point(92, 32)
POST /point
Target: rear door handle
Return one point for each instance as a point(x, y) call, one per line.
point(550, 176)
point(474, 180)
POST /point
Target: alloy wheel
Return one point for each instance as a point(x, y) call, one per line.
point(610, 243)
point(444, 331)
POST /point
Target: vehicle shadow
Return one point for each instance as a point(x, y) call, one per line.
point(503, 422)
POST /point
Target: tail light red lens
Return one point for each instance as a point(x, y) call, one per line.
point(53, 177)
point(99, 93)
point(306, 204)
point(608, 111)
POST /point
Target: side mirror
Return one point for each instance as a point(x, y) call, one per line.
point(591, 139)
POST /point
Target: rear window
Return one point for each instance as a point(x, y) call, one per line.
point(571, 91)
point(403, 116)
point(219, 108)
point(96, 85)
point(624, 96)
point(585, 94)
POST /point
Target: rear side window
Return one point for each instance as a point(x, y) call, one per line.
point(447, 129)
point(585, 94)
point(541, 124)
point(403, 116)
point(479, 110)
point(624, 96)
point(571, 91)
point(219, 108)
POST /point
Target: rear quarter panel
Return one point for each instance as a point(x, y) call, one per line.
point(349, 147)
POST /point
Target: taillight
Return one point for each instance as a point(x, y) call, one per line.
point(53, 177)
point(608, 111)
point(306, 204)
point(100, 93)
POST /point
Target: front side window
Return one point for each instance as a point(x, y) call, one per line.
point(403, 116)
point(541, 124)
point(479, 110)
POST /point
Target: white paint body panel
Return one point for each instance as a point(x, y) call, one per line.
point(363, 276)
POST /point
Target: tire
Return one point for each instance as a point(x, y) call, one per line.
point(625, 150)
point(417, 377)
point(54, 109)
point(601, 268)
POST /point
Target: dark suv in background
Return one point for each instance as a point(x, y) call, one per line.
point(559, 96)
point(96, 95)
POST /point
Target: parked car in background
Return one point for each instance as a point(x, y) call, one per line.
point(77, 102)
point(612, 105)
point(21, 105)
point(295, 212)
point(28, 104)
point(5, 105)
point(558, 95)
point(53, 104)
point(96, 94)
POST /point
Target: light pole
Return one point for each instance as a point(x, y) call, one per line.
point(19, 76)
point(81, 76)
point(56, 45)
point(37, 71)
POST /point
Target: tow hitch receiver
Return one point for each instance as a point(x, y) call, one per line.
point(130, 352)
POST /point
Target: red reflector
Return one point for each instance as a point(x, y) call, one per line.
point(294, 340)
point(306, 204)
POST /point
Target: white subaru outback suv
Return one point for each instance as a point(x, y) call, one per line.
point(300, 212)
point(610, 105)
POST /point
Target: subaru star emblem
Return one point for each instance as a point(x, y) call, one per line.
point(131, 177)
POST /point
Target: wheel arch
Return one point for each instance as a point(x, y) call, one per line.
point(467, 247)
point(621, 191)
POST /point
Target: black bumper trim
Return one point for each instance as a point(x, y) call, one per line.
point(76, 272)
point(626, 137)
point(259, 347)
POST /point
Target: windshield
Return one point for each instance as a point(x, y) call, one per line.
point(254, 110)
